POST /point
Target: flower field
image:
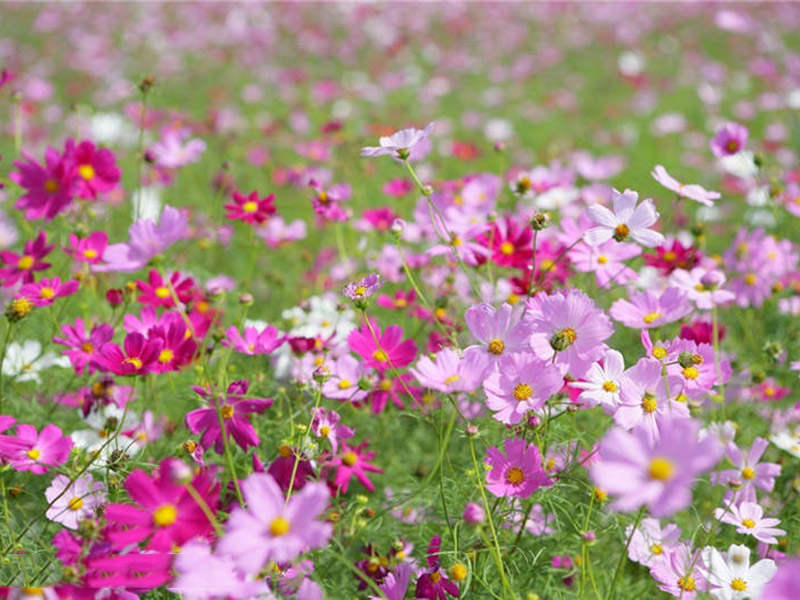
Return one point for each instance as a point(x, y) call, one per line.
point(399, 301)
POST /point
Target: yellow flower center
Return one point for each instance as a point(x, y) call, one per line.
point(51, 186)
point(165, 356)
point(250, 207)
point(507, 248)
point(350, 458)
point(25, 262)
point(136, 362)
point(279, 527)
point(455, 241)
point(661, 468)
point(227, 411)
point(649, 403)
point(380, 356)
point(400, 302)
point(600, 494)
point(284, 451)
point(435, 577)
point(656, 549)
point(34, 453)
point(769, 391)
point(458, 572)
point(75, 504)
point(165, 515)
point(344, 384)
point(524, 184)
point(360, 291)
point(496, 346)
point(748, 473)
point(21, 307)
point(610, 387)
point(659, 352)
point(87, 347)
point(47, 293)
point(86, 171)
point(522, 391)
point(162, 292)
point(385, 385)
point(602, 259)
point(324, 431)
point(750, 279)
point(738, 585)
point(687, 583)
point(90, 253)
point(512, 299)
point(749, 523)
point(621, 231)
point(669, 256)
point(440, 313)
point(452, 379)
point(515, 476)
point(650, 317)
point(691, 373)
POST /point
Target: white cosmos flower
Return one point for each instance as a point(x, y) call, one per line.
point(730, 575)
point(628, 220)
point(24, 361)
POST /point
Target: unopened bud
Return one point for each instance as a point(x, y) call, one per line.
point(540, 221)
point(246, 299)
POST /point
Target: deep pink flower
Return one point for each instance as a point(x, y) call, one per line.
point(234, 408)
point(138, 358)
point(434, 584)
point(28, 451)
point(45, 291)
point(730, 139)
point(382, 350)
point(250, 209)
point(178, 346)
point(398, 187)
point(518, 473)
point(510, 243)
point(89, 249)
point(156, 292)
point(94, 169)
point(82, 346)
point(272, 529)
point(49, 187)
point(353, 461)
point(137, 570)
point(253, 341)
point(659, 474)
point(166, 514)
point(23, 266)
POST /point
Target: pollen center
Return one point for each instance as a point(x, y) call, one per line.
point(452, 379)
point(90, 253)
point(360, 291)
point(621, 231)
point(496, 346)
point(25, 262)
point(750, 279)
point(47, 293)
point(691, 373)
point(657, 549)
point(136, 362)
point(165, 356)
point(324, 431)
point(515, 476)
point(279, 527)
point(650, 317)
point(86, 171)
point(162, 292)
point(250, 207)
point(350, 458)
point(227, 411)
point(748, 473)
point(661, 469)
point(602, 259)
point(380, 355)
point(507, 248)
point(34, 453)
point(649, 403)
point(75, 504)
point(563, 339)
point(165, 515)
point(610, 387)
point(749, 523)
point(344, 384)
point(522, 391)
point(687, 583)
point(738, 584)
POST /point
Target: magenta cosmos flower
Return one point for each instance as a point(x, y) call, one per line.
point(45, 291)
point(500, 332)
point(382, 351)
point(94, 169)
point(518, 473)
point(400, 144)
point(649, 309)
point(139, 356)
point(433, 584)
point(569, 327)
point(693, 191)
point(29, 451)
point(730, 139)
point(89, 249)
point(657, 474)
point(253, 341)
point(234, 409)
point(49, 187)
point(167, 514)
point(250, 209)
point(23, 266)
point(521, 383)
point(628, 220)
point(353, 461)
point(271, 528)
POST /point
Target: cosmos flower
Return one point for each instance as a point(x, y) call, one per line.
point(628, 219)
point(748, 518)
point(748, 472)
point(650, 541)
point(363, 288)
point(29, 451)
point(45, 291)
point(82, 346)
point(693, 191)
point(70, 501)
point(353, 461)
point(25, 361)
point(447, 372)
point(23, 266)
point(499, 331)
point(678, 571)
point(382, 350)
point(730, 575)
point(601, 385)
point(730, 139)
point(89, 249)
point(520, 383)
point(400, 144)
point(648, 309)
point(250, 209)
point(518, 473)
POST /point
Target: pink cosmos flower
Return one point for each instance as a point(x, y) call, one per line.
point(649, 541)
point(234, 408)
point(178, 346)
point(730, 139)
point(327, 203)
point(382, 350)
point(696, 368)
point(345, 382)
point(518, 473)
point(276, 232)
point(693, 191)
point(29, 451)
point(325, 424)
point(400, 144)
point(95, 170)
point(510, 243)
point(500, 331)
point(447, 372)
point(49, 187)
point(627, 220)
point(250, 209)
point(82, 346)
point(271, 528)
point(253, 341)
point(89, 249)
point(137, 358)
point(748, 518)
point(72, 501)
point(702, 286)
point(353, 461)
point(203, 574)
point(520, 383)
point(606, 261)
point(786, 584)
point(658, 474)
point(602, 385)
point(158, 293)
point(23, 266)
point(166, 513)
point(568, 329)
point(363, 288)
point(398, 187)
point(679, 572)
point(174, 149)
point(45, 291)
point(649, 309)
point(748, 473)
point(395, 585)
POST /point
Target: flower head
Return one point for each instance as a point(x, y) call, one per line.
point(628, 220)
point(518, 473)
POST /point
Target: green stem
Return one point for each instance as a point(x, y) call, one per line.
point(624, 555)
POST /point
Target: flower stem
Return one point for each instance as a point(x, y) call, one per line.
point(624, 554)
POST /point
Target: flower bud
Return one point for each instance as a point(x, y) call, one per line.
point(540, 221)
point(246, 299)
point(473, 514)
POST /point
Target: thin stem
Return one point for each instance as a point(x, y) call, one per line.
point(624, 554)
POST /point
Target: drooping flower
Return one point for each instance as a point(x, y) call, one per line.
point(658, 474)
point(521, 383)
point(70, 501)
point(271, 528)
point(518, 473)
point(731, 577)
point(628, 220)
point(693, 191)
point(234, 408)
